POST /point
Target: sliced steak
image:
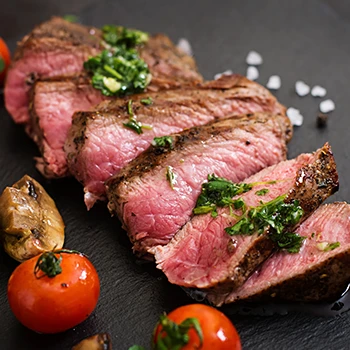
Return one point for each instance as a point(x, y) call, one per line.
point(99, 145)
point(202, 255)
point(59, 48)
point(55, 47)
point(53, 103)
point(316, 273)
point(140, 194)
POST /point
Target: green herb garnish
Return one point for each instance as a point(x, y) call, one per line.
point(326, 247)
point(276, 216)
point(130, 111)
point(118, 36)
point(218, 192)
point(147, 101)
point(133, 124)
point(119, 70)
point(262, 192)
point(170, 176)
point(125, 71)
point(164, 141)
point(136, 347)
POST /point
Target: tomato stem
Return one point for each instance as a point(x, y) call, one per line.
point(175, 336)
point(49, 264)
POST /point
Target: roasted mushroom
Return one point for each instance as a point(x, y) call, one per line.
point(29, 220)
point(101, 341)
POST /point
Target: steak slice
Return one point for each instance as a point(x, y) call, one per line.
point(53, 103)
point(55, 47)
point(59, 48)
point(316, 273)
point(99, 145)
point(140, 194)
point(202, 255)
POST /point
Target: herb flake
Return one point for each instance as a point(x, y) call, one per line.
point(262, 192)
point(170, 176)
point(218, 192)
point(326, 247)
point(147, 101)
point(164, 141)
point(275, 216)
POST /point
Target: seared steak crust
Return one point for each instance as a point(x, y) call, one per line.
point(312, 274)
point(61, 30)
point(171, 112)
point(230, 148)
point(222, 269)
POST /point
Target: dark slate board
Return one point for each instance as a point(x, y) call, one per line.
point(299, 40)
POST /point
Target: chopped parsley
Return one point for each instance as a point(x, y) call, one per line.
point(276, 216)
point(123, 37)
point(147, 101)
point(130, 110)
point(262, 192)
point(218, 192)
point(170, 176)
point(133, 124)
point(164, 141)
point(326, 247)
point(119, 70)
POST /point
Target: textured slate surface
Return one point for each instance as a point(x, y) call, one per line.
point(298, 40)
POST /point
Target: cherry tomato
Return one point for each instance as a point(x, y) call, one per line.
point(53, 304)
point(4, 60)
point(218, 331)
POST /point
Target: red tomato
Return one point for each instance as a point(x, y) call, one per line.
point(54, 304)
point(4, 60)
point(218, 331)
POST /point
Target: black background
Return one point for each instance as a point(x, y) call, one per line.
point(299, 40)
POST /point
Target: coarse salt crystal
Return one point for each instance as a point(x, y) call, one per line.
point(274, 82)
point(294, 116)
point(327, 106)
point(185, 46)
point(252, 73)
point(318, 91)
point(219, 75)
point(301, 88)
point(254, 59)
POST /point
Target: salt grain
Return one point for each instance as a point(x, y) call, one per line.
point(318, 91)
point(294, 116)
point(252, 73)
point(185, 46)
point(254, 59)
point(327, 106)
point(274, 82)
point(219, 75)
point(301, 88)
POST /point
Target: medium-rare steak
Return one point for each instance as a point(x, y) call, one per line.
point(55, 47)
point(53, 101)
point(320, 271)
point(59, 48)
point(99, 144)
point(152, 211)
point(203, 254)
point(53, 104)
